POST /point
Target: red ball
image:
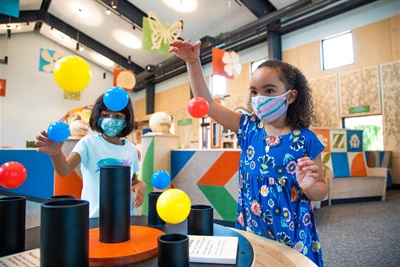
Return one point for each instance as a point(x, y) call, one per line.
point(12, 174)
point(197, 107)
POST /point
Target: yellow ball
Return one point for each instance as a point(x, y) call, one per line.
point(72, 73)
point(173, 206)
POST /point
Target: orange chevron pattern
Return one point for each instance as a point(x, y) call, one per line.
point(222, 170)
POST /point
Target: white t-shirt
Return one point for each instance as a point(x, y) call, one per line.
point(96, 152)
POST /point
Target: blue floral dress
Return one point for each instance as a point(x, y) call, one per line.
point(271, 202)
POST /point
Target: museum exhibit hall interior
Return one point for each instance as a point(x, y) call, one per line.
point(57, 57)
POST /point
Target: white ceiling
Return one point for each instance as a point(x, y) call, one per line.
point(117, 32)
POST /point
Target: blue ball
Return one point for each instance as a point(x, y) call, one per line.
point(161, 179)
point(58, 131)
point(115, 98)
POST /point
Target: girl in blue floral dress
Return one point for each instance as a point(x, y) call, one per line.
point(280, 169)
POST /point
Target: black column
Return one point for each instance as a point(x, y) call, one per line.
point(274, 45)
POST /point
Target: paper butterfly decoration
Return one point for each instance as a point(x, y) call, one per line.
point(232, 65)
point(48, 59)
point(163, 33)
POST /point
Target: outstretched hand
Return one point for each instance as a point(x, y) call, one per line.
point(46, 145)
point(186, 50)
point(307, 173)
point(140, 189)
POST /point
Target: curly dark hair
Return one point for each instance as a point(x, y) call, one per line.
point(99, 106)
point(301, 112)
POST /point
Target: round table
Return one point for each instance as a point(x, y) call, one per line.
point(254, 250)
point(245, 251)
point(268, 252)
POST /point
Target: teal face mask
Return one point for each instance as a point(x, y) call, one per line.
point(111, 126)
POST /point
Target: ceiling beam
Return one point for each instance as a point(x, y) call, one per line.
point(323, 15)
point(259, 8)
point(52, 21)
point(129, 11)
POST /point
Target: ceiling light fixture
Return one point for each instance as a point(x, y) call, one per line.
point(114, 4)
point(150, 68)
point(184, 6)
point(129, 60)
point(108, 11)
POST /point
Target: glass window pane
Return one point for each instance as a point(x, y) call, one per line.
point(255, 64)
point(372, 134)
point(218, 85)
point(337, 51)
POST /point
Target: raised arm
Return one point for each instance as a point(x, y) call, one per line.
point(190, 53)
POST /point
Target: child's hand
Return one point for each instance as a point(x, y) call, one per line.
point(306, 173)
point(140, 189)
point(186, 50)
point(46, 145)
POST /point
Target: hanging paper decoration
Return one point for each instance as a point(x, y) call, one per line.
point(225, 63)
point(3, 83)
point(157, 36)
point(10, 8)
point(72, 95)
point(124, 79)
point(48, 59)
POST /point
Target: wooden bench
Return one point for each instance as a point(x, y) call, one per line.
point(350, 177)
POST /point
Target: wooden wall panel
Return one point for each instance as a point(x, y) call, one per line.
point(140, 108)
point(169, 100)
point(395, 37)
point(240, 84)
point(325, 101)
point(360, 88)
point(390, 74)
point(372, 44)
point(290, 56)
point(309, 59)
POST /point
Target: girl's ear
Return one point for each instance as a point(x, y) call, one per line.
point(292, 96)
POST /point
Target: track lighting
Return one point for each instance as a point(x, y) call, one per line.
point(129, 60)
point(79, 47)
point(114, 4)
point(4, 61)
point(8, 33)
point(150, 68)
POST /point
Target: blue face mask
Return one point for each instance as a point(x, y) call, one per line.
point(111, 126)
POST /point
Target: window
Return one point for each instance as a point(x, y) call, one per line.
point(372, 134)
point(337, 51)
point(255, 64)
point(218, 85)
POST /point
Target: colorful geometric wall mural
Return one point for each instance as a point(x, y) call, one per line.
point(208, 176)
point(344, 155)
